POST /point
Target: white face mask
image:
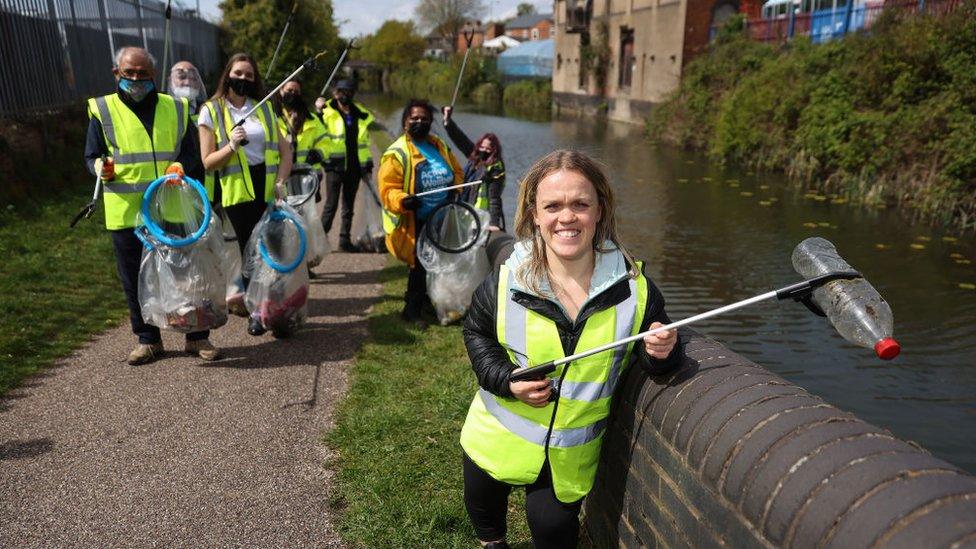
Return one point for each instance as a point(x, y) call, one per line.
point(187, 92)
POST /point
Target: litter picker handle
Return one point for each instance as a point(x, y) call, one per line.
point(451, 188)
point(338, 64)
point(468, 38)
point(794, 291)
point(308, 64)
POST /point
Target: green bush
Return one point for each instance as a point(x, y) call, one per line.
point(885, 117)
point(487, 96)
point(528, 98)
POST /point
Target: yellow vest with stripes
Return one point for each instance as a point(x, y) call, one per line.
point(335, 128)
point(139, 157)
point(508, 438)
point(399, 150)
point(236, 186)
point(312, 136)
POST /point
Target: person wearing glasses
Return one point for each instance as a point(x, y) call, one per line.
point(142, 132)
point(414, 163)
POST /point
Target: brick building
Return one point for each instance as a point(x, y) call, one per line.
point(536, 26)
point(648, 44)
point(482, 33)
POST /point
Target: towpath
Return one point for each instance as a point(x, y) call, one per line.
point(181, 452)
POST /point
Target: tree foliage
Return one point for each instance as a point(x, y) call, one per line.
point(447, 17)
point(395, 44)
point(525, 8)
point(254, 27)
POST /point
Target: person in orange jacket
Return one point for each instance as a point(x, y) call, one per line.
point(414, 163)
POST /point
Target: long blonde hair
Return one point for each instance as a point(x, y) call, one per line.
point(532, 272)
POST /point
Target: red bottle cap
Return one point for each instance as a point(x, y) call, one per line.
point(887, 348)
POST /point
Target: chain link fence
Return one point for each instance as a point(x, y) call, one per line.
point(57, 52)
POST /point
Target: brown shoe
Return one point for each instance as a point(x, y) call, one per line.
point(203, 349)
point(144, 353)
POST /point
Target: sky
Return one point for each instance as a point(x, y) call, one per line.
point(365, 16)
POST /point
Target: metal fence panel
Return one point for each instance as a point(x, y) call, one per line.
point(55, 52)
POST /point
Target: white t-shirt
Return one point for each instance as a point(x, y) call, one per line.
point(254, 150)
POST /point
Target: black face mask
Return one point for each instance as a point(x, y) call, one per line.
point(246, 88)
point(484, 155)
point(418, 130)
point(292, 100)
point(344, 100)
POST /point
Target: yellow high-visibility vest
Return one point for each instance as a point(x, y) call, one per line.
point(508, 438)
point(139, 157)
point(235, 177)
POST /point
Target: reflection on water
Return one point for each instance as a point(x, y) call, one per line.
point(713, 235)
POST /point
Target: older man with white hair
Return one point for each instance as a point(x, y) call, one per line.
point(142, 132)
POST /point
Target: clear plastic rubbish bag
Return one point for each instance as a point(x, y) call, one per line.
point(181, 281)
point(303, 185)
point(274, 261)
point(452, 278)
point(370, 236)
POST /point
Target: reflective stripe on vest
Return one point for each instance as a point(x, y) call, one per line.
point(139, 157)
point(235, 181)
point(399, 150)
point(508, 438)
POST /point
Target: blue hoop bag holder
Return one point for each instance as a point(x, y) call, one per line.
point(182, 286)
point(275, 257)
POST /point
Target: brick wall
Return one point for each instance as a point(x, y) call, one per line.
point(698, 22)
point(725, 453)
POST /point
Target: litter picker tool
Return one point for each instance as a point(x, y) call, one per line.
point(468, 38)
point(310, 64)
point(349, 46)
point(451, 188)
point(281, 39)
point(166, 39)
point(819, 293)
point(89, 208)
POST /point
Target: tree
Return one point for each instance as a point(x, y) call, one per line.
point(447, 17)
point(254, 26)
point(525, 8)
point(396, 44)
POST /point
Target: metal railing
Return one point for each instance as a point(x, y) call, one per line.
point(57, 52)
point(830, 24)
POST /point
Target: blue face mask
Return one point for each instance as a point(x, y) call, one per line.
point(136, 89)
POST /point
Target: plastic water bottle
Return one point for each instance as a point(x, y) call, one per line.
point(853, 306)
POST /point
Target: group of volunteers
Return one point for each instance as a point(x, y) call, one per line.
point(242, 154)
point(570, 284)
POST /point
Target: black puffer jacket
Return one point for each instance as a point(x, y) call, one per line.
point(489, 359)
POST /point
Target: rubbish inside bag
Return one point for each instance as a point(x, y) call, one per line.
point(181, 281)
point(277, 294)
point(452, 278)
point(230, 262)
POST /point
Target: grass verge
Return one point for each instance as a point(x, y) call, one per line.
point(396, 436)
point(58, 286)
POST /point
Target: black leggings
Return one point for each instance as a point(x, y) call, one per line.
point(244, 216)
point(552, 523)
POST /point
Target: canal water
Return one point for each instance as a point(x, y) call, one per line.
point(713, 235)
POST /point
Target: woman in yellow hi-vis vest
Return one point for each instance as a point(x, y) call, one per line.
point(569, 286)
point(250, 174)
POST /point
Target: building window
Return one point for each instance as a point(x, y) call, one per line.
point(535, 34)
point(627, 58)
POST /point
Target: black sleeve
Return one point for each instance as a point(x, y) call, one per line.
point(489, 360)
point(459, 139)
point(189, 155)
point(496, 184)
point(654, 312)
point(94, 144)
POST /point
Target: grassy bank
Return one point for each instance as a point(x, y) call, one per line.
point(58, 286)
point(396, 436)
point(881, 118)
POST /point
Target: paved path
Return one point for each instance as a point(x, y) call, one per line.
point(182, 452)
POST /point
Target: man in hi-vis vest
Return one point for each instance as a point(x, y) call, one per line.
point(142, 132)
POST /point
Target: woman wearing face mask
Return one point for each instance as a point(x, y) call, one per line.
point(304, 131)
point(569, 285)
point(250, 174)
point(484, 164)
point(414, 163)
